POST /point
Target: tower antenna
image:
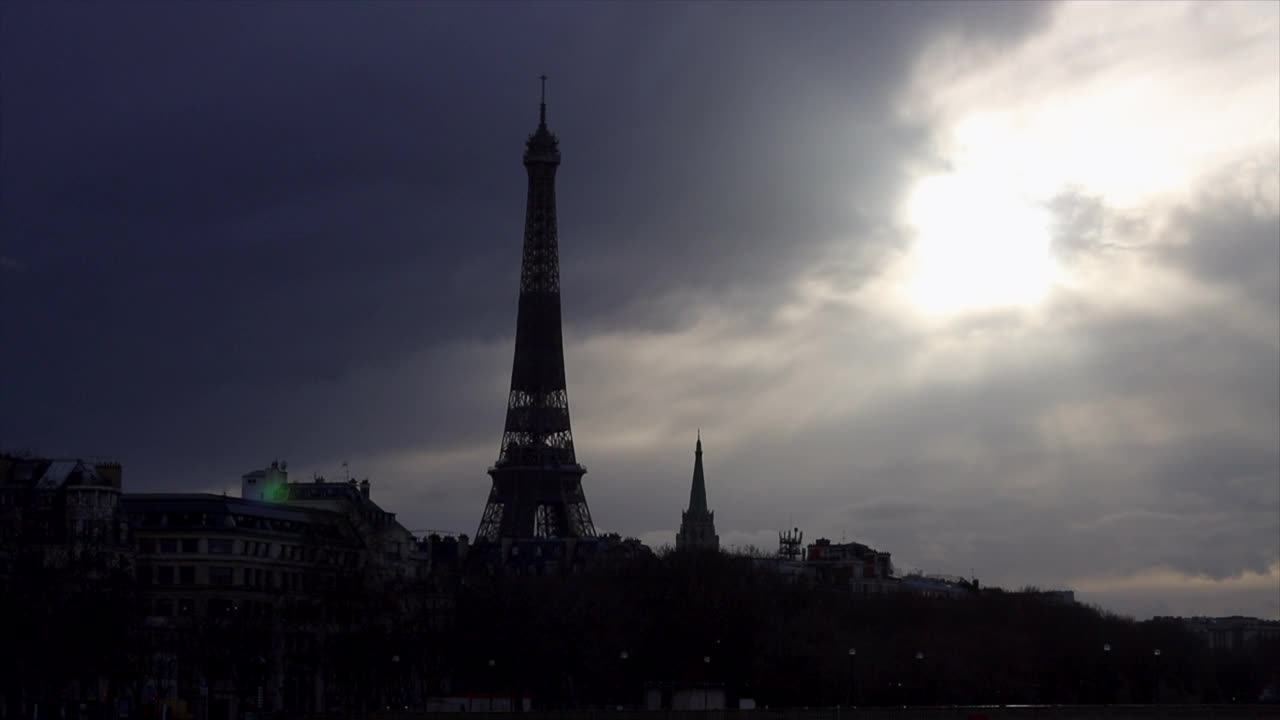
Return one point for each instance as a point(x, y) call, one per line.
point(542, 108)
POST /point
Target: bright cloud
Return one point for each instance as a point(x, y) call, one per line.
point(1135, 103)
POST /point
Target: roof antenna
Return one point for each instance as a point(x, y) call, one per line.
point(542, 110)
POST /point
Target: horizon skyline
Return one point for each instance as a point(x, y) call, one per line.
point(1031, 336)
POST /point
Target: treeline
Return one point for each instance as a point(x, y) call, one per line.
point(689, 619)
point(64, 633)
point(599, 638)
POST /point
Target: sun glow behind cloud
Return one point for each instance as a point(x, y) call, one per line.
point(979, 244)
point(1132, 103)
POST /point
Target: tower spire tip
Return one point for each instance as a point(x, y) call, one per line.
point(542, 108)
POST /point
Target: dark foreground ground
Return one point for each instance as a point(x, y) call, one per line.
point(1061, 712)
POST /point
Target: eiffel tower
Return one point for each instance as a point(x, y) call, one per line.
point(537, 481)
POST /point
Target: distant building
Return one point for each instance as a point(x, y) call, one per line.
point(256, 576)
point(64, 549)
point(265, 485)
point(1234, 632)
point(698, 523)
point(858, 566)
point(1062, 597)
point(393, 550)
point(855, 567)
point(938, 586)
point(551, 556)
point(272, 575)
point(61, 514)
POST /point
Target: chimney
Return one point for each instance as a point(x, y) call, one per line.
point(364, 488)
point(111, 472)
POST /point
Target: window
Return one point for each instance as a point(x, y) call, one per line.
point(164, 607)
point(144, 575)
point(220, 576)
point(190, 545)
point(147, 545)
point(220, 547)
point(186, 607)
point(186, 575)
point(168, 545)
point(264, 549)
point(165, 575)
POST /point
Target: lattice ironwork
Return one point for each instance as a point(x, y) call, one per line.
point(537, 481)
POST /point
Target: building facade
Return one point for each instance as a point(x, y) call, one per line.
point(61, 514)
point(65, 585)
point(1232, 633)
point(863, 569)
point(221, 580)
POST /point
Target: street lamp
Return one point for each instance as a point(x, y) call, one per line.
point(706, 677)
point(919, 675)
point(622, 658)
point(395, 672)
point(1106, 672)
point(853, 676)
point(1155, 690)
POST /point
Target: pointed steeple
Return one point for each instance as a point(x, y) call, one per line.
point(698, 523)
point(698, 493)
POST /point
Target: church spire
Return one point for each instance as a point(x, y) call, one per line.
point(698, 523)
point(698, 493)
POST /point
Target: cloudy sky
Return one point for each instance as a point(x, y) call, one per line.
point(995, 288)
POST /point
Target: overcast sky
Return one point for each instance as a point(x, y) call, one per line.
point(995, 288)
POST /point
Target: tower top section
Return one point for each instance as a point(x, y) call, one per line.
point(542, 107)
point(542, 148)
point(698, 491)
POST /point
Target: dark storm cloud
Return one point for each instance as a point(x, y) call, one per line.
point(245, 210)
